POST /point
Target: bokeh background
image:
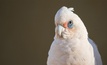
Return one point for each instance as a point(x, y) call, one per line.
point(27, 28)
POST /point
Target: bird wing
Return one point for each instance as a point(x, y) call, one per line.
point(97, 56)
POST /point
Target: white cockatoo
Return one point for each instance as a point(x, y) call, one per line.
point(71, 45)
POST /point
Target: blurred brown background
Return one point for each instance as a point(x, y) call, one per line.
point(27, 28)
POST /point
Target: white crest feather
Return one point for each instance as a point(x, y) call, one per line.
point(71, 8)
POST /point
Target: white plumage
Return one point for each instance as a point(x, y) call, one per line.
point(71, 45)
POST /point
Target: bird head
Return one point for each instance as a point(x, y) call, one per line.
point(68, 24)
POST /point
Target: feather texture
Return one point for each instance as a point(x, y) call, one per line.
point(71, 46)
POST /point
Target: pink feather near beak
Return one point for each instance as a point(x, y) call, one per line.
point(65, 25)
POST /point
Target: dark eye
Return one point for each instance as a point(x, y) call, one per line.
point(70, 24)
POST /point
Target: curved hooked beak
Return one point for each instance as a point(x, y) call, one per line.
point(59, 30)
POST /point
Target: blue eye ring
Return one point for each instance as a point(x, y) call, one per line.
point(70, 24)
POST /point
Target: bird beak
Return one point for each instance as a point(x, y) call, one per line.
point(59, 30)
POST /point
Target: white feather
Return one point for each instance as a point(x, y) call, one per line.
point(72, 9)
point(73, 47)
point(97, 56)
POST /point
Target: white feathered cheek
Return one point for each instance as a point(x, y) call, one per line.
point(69, 29)
point(68, 33)
point(66, 30)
